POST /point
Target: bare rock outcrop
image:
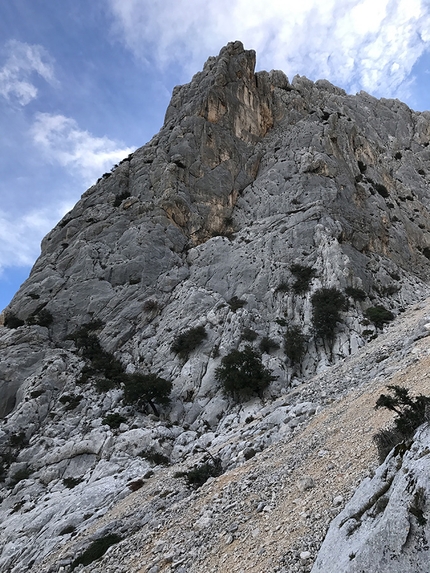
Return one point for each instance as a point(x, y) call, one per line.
point(259, 205)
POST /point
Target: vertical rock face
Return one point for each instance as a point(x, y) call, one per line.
point(385, 526)
point(257, 198)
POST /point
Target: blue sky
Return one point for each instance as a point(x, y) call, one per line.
point(82, 84)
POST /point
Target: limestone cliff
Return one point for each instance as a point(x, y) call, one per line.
point(256, 195)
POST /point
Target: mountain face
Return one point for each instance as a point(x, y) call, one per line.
point(289, 221)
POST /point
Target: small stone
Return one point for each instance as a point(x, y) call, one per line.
point(338, 500)
point(305, 555)
point(306, 483)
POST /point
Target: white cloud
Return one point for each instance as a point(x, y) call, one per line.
point(21, 234)
point(359, 44)
point(23, 62)
point(62, 141)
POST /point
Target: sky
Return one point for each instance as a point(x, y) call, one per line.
point(84, 83)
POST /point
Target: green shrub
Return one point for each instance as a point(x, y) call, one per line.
point(150, 305)
point(146, 389)
point(356, 293)
point(327, 304)
point(114, 420)
point(249, 335)
point(70, 401)
point(267, 344)
point(198, 475)
point(235, 303)
point(411, 412)
point(96, 550)
point(120, 198)
point(379, 315)
point(242, 373)
point(101, 361)
point(154, 457)
point(304, 276)
point(188, 341)
point(71, 482)
point(12, 321)
point(41, 318)
point(283, 286)
point(295, 344)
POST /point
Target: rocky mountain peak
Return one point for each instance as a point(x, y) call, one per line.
point(273, 224)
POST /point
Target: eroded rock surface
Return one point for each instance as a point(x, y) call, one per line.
point(253, 184)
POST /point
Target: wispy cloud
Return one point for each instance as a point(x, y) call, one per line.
point(20, 234)
point(359, 44)
point(84, 155)
point(23, 62)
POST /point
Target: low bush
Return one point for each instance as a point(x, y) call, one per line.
point(379, 315)
point(249, 335)
point(71, 482)
point(70, 401)
point(141, 390)
point(41, 318)
point(267, 344)
point(188, 341)
point(356, 293)
point(154, 457)
point(242, 373)
point(120, 198)
point(235, 303)
point(12, 321)
point(411, 413)
point(303, 275)
point(295, 344)
point(327, 303)
point(96, 550)
point(114, 420)
point(150, 305)
point(198, 475)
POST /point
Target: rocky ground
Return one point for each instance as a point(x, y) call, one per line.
point(269, 513)
point(253, 184)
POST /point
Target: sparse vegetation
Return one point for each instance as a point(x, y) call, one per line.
point(150, 305)
point(267, 344)
point(70, 401)
point(235, 303)
point(141, 390)
point(154, 457)
point(242, 373)
point(303, 275)
point(379, 315)
point(12, 321)
point(114, 420)
point(356, 293)
point(41, 317)
point(327, 305)
point(101, 361)
point(198, 475)
point(120, 198)
point(188, 341)
point(295, 344)
point(71, 482)
point(249, 335)
point(411, 413)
